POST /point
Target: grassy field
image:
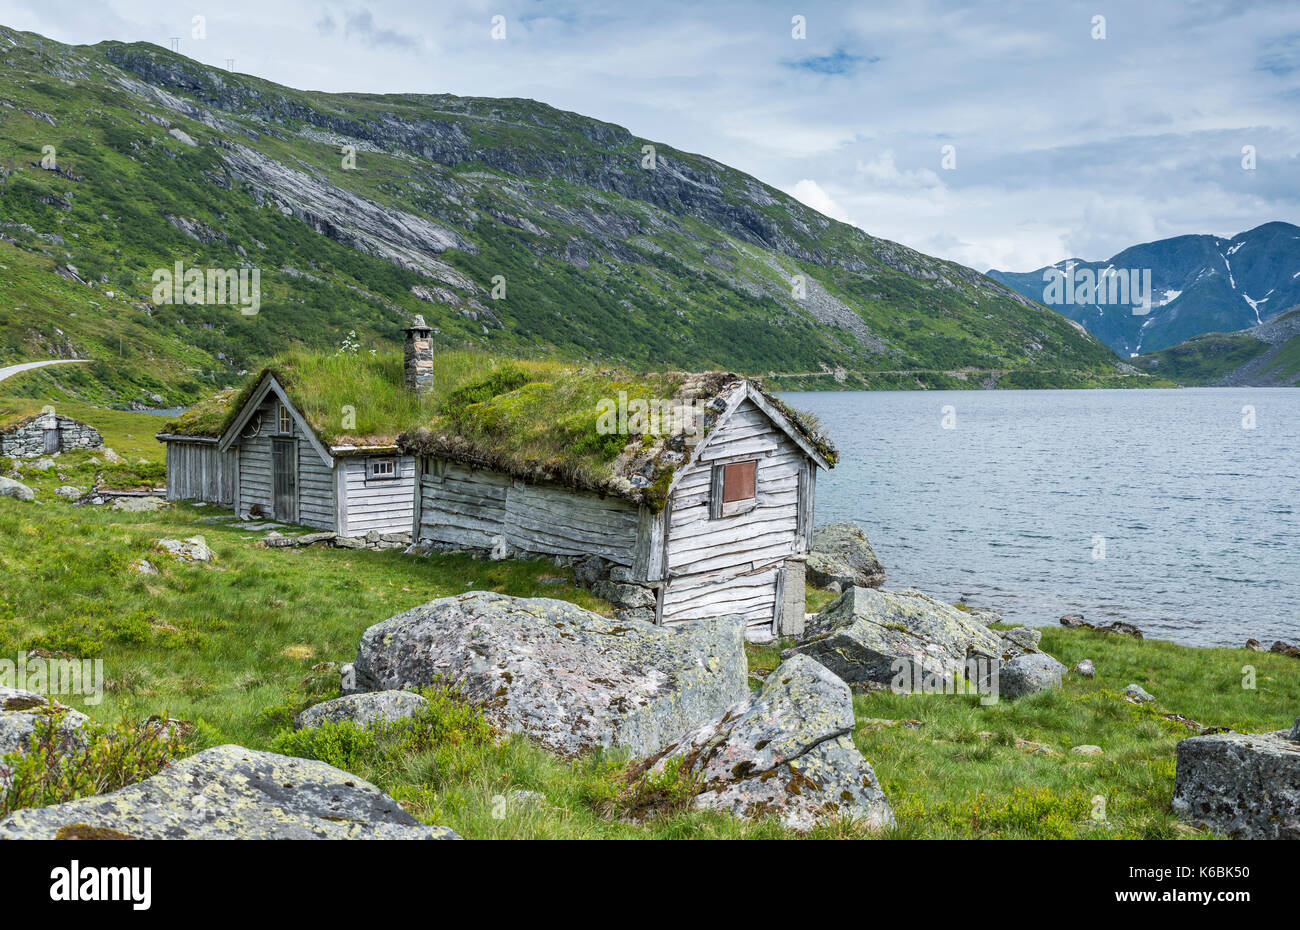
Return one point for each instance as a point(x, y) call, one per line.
point(234, 647)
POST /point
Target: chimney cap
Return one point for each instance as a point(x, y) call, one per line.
point(418, 323)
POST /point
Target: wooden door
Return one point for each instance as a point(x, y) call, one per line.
point(284, 479)
point(51, 441)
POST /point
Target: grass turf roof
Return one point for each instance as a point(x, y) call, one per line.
point(536, 420)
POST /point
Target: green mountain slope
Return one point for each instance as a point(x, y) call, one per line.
point(506, 223)
point(1262, 356)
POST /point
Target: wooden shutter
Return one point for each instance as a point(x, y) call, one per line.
point(738, 481)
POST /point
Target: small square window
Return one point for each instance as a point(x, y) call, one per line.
point(738, 482)
point(286, 420)
point(381, 469)
point(734, 489)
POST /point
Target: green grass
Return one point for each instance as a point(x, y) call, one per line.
point(232, 647)
point(534, 419)
point(1286, 364)
point(236, 647)
point(1203, 359)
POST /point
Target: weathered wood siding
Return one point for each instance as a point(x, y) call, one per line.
point(385, 505)
point(198, 471)
point(731, 564)
point(561, 521)
point(475, 507)
point(315, 484)
point(463, 506)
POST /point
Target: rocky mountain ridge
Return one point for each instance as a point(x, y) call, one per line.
point(1198, 284)
point(507, 223)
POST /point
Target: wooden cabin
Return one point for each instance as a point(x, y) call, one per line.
point(260, 454)
point(269, 462)
point(704, 511)
point(718, 523)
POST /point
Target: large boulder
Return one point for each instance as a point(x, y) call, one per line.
point(363, 709)
point(1239, 784)
point(868, 636)
point(15, 489)
point(785, 751)
point(842, 555)
point(21, 712)
point(569, 678)
point(1019, 640)
point(1028, 674)
point(229, 792)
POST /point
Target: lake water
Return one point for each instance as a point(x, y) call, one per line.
point(1156, 507)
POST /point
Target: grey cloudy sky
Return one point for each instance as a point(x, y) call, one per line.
point(1065, 144)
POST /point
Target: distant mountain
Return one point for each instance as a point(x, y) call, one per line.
point(1262, 356)
point(1198, 284)
point(508, 224)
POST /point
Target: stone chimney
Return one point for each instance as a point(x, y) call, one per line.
point(419, 356)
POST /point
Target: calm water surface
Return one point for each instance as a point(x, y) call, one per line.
point(1199, 517)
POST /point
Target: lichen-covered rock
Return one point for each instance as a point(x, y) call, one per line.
point(69, 492)
point(22, 711)
point(363, 709)
point(15, 489)
point(867, 635)
point(569, 678)
point(984, 615)
point(194, 549)
point(1018, 641)
point(1240, 784)
point(229, 792)
point(1136, 694)
point(1028, 674)
point(785, 751)
point(1085, 668)
point(630, 596)
point(841, 554)
point(146, 504)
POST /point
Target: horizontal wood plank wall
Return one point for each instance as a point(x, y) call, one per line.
point(548, 520)
point(385, 506)
point(315, 485)
point(198, 471)
point(730, 564)
point(472, 507)
point(466, 507)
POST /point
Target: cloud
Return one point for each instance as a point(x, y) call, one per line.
point(882, 171)
point(1064, 142)
point(361, 24)
point(838, 62)
point(810, 193)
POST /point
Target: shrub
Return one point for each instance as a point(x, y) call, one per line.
point(100, 758)
point(447, 722)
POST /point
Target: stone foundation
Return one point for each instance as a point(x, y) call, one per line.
point(26, 439)
point(374, 540)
